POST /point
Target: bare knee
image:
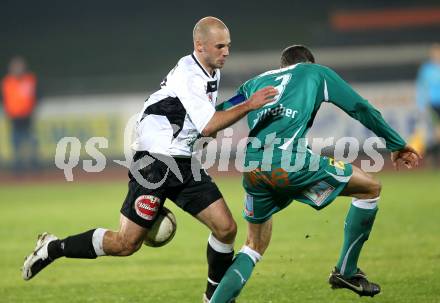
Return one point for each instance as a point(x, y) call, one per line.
point(362, 185)
point(226, 232)
point(374, 189)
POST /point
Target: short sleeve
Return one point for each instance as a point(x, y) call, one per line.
point(191, 91)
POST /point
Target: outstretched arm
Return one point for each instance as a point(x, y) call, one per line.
point(338, 92)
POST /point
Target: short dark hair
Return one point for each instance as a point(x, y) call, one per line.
point(296, 54)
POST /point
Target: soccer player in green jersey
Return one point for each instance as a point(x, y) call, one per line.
point(281, 168)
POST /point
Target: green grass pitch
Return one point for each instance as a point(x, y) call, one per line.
point(403, 253)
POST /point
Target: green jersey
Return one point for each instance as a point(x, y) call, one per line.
point(302, 88)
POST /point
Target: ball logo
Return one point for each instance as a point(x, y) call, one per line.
point(147, 206)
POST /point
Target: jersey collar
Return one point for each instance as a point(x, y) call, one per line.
point(193, 55)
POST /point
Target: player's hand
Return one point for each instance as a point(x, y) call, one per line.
point(407, 156)
point(262, 97)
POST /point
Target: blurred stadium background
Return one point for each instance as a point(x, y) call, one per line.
point(97, 61)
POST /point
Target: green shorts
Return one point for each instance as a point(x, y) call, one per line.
point(268, 192)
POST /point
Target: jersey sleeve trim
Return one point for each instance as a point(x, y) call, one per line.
point(326, 99)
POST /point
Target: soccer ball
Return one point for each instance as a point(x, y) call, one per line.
point(163, 229)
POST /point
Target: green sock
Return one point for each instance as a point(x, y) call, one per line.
point(234, 279)
point(357, 228)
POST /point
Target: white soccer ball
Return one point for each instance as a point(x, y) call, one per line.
point(163, 229)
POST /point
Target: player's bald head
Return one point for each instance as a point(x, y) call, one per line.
point(206, 27)
point(211, 42)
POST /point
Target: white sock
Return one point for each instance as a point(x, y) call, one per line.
point(219, 246)
point(365, 203)
point(97, 241)
point(254, 255)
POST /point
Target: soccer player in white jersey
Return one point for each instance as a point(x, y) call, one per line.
point(169, 123)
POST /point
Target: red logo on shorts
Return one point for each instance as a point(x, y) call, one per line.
point(146, 206)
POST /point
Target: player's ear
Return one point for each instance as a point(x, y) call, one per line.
point(198, 45)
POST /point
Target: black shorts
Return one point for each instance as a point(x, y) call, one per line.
point(156, 182)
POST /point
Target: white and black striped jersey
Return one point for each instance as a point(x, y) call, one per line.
point(174, 116)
